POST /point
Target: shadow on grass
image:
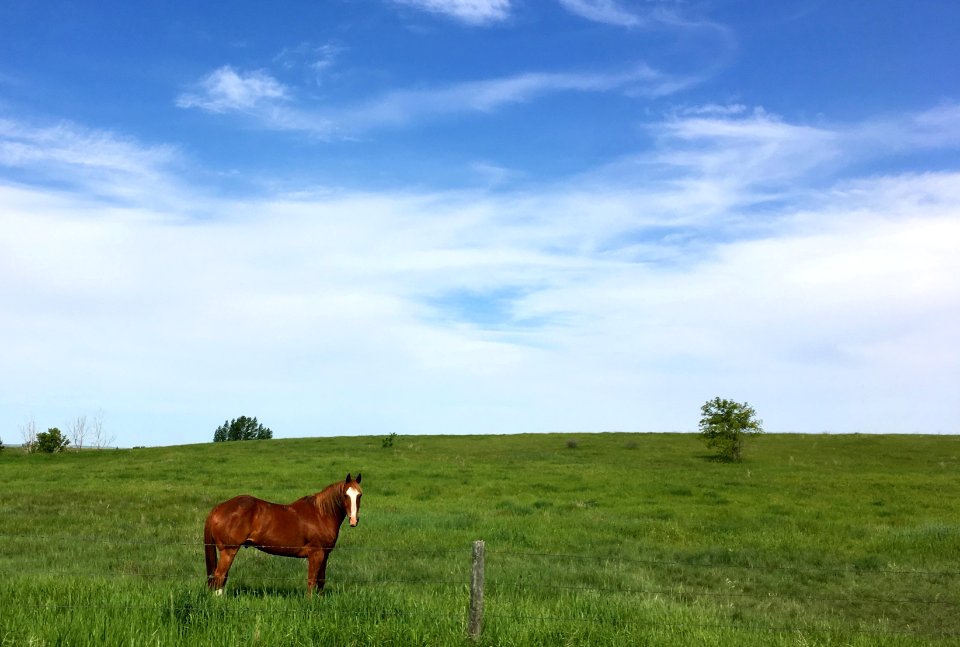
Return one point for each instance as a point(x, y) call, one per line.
point(717, 458)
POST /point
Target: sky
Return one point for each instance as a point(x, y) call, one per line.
point(478, 216)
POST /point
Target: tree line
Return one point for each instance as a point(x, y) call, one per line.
point(81, 433)
point(724, 426)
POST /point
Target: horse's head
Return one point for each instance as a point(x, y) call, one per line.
point(351, 498)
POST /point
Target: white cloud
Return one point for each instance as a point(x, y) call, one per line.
point(938, 127)
point(608, 12)
point(756, 151)
point(258, 97)
point(491, 94)
point(713, 110)
point(253, 95)
point(96, 163)
point(623, 305)
point(318, 60)
point(26, 145)
point(473, 12)
point(226, 90)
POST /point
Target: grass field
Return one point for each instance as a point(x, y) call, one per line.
point(593, 539)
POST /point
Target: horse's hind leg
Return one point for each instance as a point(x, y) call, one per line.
point(219, 579)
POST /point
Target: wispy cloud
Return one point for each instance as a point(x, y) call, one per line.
point(759, 147)
point(263, 99)
point(608, 12)
point(256, 96)
point(318, 60)
point(97, 163)
point(227, 90)
point(22, 144)
point(473, 12)
point(492, 94)
point(645, 15)
point(938, 127)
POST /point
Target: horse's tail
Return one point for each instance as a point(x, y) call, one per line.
point(209, 550)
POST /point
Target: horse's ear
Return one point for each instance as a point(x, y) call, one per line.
point(348, 479)
point(359, 475)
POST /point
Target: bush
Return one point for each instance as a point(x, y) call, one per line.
point(388, 440)
point(242, 428)
point(724, 424)
point(50, 441)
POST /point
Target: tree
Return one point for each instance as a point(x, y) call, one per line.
point(29, 432)
point(50, 441)
point(724, 424)
point(77, 428)
point(242, 428)
point(99, 437)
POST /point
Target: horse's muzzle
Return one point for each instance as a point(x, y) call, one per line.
point(354, 523)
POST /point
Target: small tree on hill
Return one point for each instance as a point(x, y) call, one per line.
point(242, 428)
point(51, 441)
point(29, 432)
point(77, 428)
point(724, 424)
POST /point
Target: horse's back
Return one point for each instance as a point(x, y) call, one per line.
point(234, 515)
point(234, 505)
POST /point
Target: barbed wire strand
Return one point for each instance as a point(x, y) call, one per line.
point(245, 580)
point(736, 627)
point(198, 543)
point(853, 570)
point(222, 606)
point(494, 587)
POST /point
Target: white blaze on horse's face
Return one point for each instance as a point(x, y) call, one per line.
point(353, 496)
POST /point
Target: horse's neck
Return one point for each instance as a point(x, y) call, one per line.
point(329, 503)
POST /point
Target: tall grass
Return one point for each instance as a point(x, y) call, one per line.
point(627, 539)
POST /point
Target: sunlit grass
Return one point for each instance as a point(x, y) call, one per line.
point(622, 539)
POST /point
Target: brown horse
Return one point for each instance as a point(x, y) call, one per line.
point(307, 528)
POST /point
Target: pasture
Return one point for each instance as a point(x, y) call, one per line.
point(613, 539)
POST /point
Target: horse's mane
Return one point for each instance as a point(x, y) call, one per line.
point(330, 500)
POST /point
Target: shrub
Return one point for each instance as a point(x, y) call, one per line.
point(50, 441)
point(388, 440)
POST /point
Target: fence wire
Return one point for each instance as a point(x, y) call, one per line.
point(494, 586)
point(498, 586)
point(225, 608)
point(448, 550)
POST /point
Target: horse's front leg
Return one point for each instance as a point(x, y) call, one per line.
point(316, 570)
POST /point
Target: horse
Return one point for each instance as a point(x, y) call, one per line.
point(307, 528)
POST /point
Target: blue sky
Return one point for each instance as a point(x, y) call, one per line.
point(478, 216)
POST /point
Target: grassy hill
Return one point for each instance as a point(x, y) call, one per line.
point(591, 539)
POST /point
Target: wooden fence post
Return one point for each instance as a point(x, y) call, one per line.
point(475, 625)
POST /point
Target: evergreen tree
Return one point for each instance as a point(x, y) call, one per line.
point(242, 428)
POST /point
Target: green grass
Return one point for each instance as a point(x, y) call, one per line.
point(612, 539)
